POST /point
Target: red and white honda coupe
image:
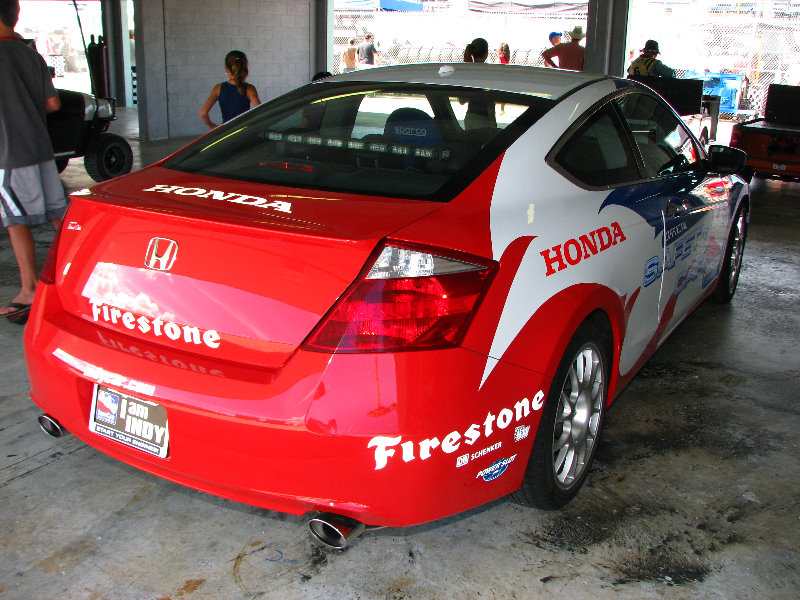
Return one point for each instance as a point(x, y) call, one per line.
point(388, 296)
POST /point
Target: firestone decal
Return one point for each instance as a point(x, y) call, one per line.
point(157, 326)
point(384, 445)
point(157, 358)
point(279, 205)
point(573, 251)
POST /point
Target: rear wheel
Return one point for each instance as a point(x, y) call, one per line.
point(108, 156)
point(732, 265)
point(570, 427)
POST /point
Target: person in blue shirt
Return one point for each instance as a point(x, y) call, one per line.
point(235, 96)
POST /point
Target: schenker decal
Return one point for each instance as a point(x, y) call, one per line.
point(385, 446)
point(279, 205)
point(156, 327)
point(573, 251)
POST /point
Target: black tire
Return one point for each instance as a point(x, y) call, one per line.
point(61, 164)
point(108, 156)
point(732, 261)
point(569, 430)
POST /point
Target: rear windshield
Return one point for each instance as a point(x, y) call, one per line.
point(424, 142)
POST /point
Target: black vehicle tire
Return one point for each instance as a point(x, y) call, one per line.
point(108, 156)
point(732, 265)
point(569, 430)
point(61, 164)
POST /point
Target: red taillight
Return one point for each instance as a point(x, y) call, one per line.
point(48, 274)
point(384, 313)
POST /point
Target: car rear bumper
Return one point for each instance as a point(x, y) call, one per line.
point(387, 439)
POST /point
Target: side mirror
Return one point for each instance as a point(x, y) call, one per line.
point(726, 160)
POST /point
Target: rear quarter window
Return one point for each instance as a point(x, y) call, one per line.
point(598, 153)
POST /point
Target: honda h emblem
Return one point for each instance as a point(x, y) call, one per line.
point(161, 253)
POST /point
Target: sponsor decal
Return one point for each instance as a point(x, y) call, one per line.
point(385, 446)
point(674, 233)
point(521, 432)
point(156, 327)
point(106, 409)
point(158, 358)
point(279, 205)
point(679, 249)
point(496, 469)
point(412, 131)
point(573, 251)
point(465, 458)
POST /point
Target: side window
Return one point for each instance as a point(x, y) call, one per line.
point(663, 140)
point(598, 154)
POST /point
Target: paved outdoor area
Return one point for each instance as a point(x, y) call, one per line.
point(694, 493)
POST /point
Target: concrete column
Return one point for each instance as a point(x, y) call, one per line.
point(151, 68)
point(115, 31)
point(607, 30)
point(322, 36)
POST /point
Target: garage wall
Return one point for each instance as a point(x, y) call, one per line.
point(181, 48)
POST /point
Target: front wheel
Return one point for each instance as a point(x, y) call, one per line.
point(108, 156)
point(732, 265)
point(570, 427)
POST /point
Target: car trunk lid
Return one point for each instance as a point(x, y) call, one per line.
point(231, 270)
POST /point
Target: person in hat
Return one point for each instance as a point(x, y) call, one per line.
point(349, 57)
point(570, 54)
point(555, 38)
point(647, 65)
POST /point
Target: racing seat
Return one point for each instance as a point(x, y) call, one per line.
point(414, 127)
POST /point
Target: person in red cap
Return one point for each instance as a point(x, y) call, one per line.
point(648, 65)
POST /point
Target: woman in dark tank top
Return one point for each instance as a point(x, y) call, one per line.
point(235, 96)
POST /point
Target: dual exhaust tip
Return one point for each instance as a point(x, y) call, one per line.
point(335, 531)
point(51, 427)
point(331, 530)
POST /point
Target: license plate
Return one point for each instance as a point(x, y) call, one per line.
point(137, 423)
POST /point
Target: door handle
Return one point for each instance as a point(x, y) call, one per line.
point(674, 209)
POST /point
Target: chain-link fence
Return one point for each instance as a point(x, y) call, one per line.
point(762, 52)
point(438, 35)
point(697, 37)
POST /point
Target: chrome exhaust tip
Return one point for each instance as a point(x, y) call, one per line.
point(335, 531)
point(51, 427)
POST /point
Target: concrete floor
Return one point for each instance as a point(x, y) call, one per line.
point(694, 493)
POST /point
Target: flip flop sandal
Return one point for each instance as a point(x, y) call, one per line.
point(20, 313)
